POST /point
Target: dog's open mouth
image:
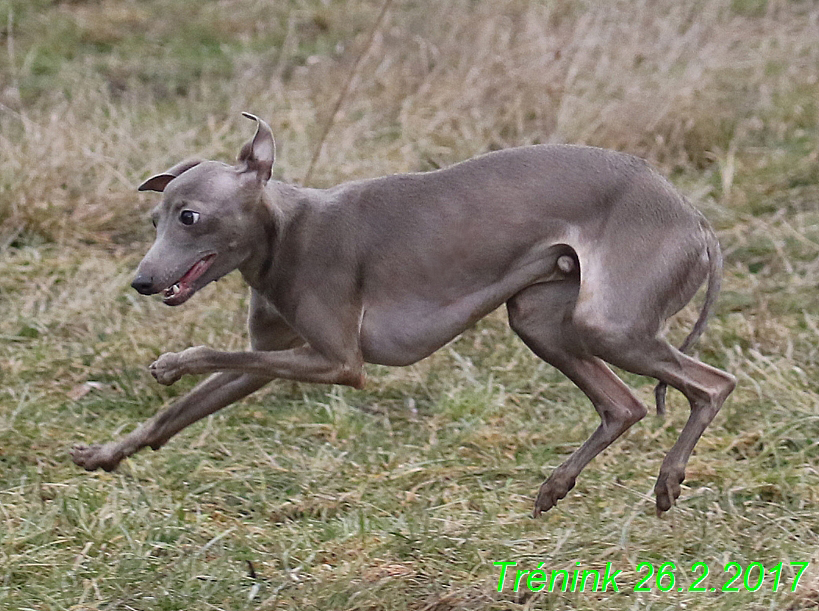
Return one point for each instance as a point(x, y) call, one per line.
point(184, 288)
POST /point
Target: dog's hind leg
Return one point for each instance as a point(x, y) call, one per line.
point(541, 316)
point(620, 321)
point(705, 387)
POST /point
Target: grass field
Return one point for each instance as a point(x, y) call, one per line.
point(404, 494)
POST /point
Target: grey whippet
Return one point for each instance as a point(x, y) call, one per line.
point(590, 250)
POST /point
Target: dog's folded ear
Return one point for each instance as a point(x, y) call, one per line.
point(160, 181)
point(259, 153)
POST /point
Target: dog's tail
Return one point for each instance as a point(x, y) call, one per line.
point(711, 293)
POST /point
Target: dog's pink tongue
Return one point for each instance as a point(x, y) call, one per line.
point(197, 270)
point(180, 292)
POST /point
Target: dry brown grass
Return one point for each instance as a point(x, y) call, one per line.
point(683, 84)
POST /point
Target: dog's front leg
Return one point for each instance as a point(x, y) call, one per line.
point(302, 364)
point(213, 394)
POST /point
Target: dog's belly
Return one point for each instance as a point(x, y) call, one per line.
point(402, 329)
point(402, 335)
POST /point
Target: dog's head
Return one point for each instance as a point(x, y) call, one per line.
point(207, 221)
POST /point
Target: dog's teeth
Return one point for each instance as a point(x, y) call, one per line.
point(175, 289)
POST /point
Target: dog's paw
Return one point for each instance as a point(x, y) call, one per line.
point(96, 456)
point(167, 368)
point(668, 489)
point(551, 491)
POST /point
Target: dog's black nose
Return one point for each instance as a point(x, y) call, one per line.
point(144, 286)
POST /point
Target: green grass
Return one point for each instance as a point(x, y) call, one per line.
point(401, 495)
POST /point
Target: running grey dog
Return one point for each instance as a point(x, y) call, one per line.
point(590, 250)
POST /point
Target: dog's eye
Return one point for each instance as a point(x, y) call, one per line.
point(188, 217)
point(153, 222)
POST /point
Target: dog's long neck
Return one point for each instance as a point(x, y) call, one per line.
point(281, 208)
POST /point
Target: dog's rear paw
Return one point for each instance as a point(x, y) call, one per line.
point(551, 491)
point(667, 489)
point(95, 457)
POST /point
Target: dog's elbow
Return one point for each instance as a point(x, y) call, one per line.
point(352, 376)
